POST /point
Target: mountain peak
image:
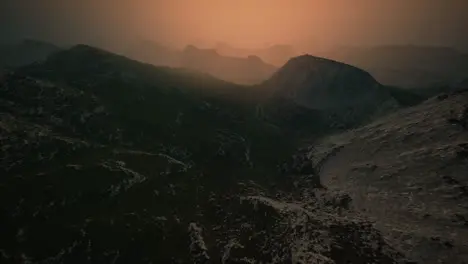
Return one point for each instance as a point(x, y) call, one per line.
point(307, 60)
point(80, 55)
point(86, 49)
point(319, 83)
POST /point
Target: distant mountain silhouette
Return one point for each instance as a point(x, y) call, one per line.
point(406, 66)
point(278, 54)
point(154, 53)
point(92, 66)
point(25, 52)
point(249, 70)
point(275, 54)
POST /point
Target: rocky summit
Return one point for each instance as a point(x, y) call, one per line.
point(320, 83)
point(109, 160)
point(341, 96)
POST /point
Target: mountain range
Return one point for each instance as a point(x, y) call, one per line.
point(242, 70)
point(113, 160)
point(426, 70)
point(277, 54)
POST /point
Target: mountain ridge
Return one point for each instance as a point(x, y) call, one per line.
point(339, 94)
point(247, 71)
point(136, 163)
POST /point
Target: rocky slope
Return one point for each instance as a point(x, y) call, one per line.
point(320, 83)
point(339, 96)
point(407, 172)
point(114, 161)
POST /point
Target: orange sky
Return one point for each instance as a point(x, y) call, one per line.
point(254, 22)
point(240, 22)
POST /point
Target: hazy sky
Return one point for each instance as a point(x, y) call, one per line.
point(248, 23)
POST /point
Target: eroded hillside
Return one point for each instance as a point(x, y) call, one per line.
point(408, 172)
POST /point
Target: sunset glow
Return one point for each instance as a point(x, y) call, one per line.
point(248, 23)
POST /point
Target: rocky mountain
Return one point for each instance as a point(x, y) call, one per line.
point(407, 172)
point(25, 52)
point(406, 66)
point(156, 96)
point(129, 162)
point(320, 83)
point(340, 94)
point(114, 161)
